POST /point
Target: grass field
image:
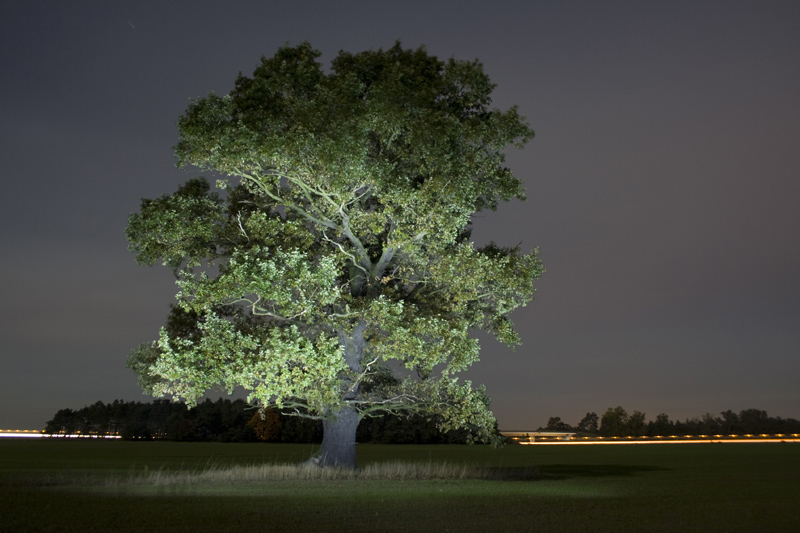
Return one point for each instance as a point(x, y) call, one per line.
point(95, 485)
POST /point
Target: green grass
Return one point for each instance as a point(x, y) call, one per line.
point(80, 485)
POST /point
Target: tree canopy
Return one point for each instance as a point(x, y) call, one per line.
point(333, 274)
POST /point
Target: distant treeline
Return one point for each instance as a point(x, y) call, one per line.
point(616, 422)
point(231, 421)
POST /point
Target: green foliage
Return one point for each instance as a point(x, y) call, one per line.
point(223, 420)
point(661, 426)
point(614, 422)
point(342, 255)
point(617, 422)
point(589, 423)
point(637, 425)
point(554, 423)
point(267, 425)
point(229, 421)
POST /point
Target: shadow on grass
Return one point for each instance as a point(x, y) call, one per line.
point(558, 472)
point(594, 471)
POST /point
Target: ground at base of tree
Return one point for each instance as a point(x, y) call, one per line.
point(74, 485)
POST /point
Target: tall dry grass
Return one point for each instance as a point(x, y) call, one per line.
point(391, 470)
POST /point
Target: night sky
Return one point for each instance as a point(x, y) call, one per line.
point(663, 189)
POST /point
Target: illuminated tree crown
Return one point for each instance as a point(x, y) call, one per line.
point(335, 276)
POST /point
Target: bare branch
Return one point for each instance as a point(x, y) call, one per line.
point(353, 258)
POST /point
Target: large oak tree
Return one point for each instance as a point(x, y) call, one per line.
point(335, 277)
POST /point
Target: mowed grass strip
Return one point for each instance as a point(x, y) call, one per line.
point(70, 485)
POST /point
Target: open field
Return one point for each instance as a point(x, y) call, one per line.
point(97, 485)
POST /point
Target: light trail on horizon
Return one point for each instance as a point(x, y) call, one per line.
point(32, 433)
point(694, 441)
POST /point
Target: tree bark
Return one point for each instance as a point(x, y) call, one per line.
point(339, 428)
point(339, 440)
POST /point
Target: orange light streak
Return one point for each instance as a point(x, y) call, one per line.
point(693, 441)
point(35, 433)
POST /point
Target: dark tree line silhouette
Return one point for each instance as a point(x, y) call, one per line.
point(236, 421)
point(617, 422)
point(223, 420)
point(231, 421)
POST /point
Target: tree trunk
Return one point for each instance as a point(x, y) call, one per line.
point(339, 440)
point(339, 428)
